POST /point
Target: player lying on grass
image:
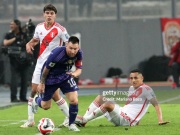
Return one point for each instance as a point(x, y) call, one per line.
point(133, 110)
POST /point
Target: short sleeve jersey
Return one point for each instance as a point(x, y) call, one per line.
point(138, 103)
point(49, 39)
point(59, 63)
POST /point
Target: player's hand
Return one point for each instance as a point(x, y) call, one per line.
point(72, 74)
point(41, 88)
point(164, 123)
point(29, 48)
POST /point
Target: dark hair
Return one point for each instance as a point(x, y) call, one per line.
point(18, 23)
point(74, 40)
point(50, 7)
point(136, 70)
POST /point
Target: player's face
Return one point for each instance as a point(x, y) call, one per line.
point(49, 16)
point(136, 79)
point(72, 49)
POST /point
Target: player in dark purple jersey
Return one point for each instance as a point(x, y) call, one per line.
point(56, 73)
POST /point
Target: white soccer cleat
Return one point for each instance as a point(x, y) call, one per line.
point(65, 123)
point(27, 124)
point(80, 121)
point(34, 104)
point(73, 127)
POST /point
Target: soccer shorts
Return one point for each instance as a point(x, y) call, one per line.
point(37, 72)
point(65, 87)
point(116, 118)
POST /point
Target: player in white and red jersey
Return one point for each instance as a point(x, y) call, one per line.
point(139, 97)
point(50, 34)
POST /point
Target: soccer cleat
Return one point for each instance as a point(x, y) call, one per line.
point(34, 104)
point(65, 123)
point(73, 127)
point(27, 124)
point(79, 121)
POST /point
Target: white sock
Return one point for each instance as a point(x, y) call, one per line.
point(63, 106)
point(98, 112)
point(93, 106)
point(30, 113)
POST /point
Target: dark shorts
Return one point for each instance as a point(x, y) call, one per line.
point(65, 86)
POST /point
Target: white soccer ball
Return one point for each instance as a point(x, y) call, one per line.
point(46, 126)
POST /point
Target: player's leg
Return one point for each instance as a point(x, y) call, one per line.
point(30, 122)
point(104, 108)
point(98, 101)
point(63, 106)
point(69, 88)
point(73, 109)
point(43, 100)
point(35, 82)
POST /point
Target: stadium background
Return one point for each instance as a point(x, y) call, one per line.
point(119, 33)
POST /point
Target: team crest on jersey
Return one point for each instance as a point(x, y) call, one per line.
point(70, 62)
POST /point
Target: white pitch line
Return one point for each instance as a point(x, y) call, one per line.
point(13, 123)
point(170, 99)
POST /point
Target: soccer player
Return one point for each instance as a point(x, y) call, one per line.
point(139, 97)
point(50, 34)
point(56, 73)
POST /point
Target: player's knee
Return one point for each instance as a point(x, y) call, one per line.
point(73, 101)
point(33, 93)
point(109, 106)
point(46, 107)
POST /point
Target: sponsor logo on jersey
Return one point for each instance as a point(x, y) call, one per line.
point(52, 34)
point(67, 36)
point(51, 64)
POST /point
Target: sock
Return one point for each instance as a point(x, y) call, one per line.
point(73, 111)
point(93, 106)
point(30, 113)
point(38, 101)
point(98, 112)
point(63, 106)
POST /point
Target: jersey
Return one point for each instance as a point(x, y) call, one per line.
point(49, 39)
point(59, 63)
point(137, 104)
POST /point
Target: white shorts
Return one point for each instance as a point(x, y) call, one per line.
point(37, 72)
point(116, 118)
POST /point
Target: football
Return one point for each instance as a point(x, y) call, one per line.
point(46, 126)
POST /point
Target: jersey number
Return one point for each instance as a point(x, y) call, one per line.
point(71, 82)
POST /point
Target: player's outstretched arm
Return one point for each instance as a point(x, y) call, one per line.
point(154, 102)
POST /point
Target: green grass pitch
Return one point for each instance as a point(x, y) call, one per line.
point(11, 118)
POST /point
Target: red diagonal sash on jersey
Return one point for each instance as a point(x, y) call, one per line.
point(47, 39)
point(134, 95)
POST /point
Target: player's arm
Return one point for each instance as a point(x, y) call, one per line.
point(157, 107)
point(31, 44)
point(78, 70)
point(76, 73)
point(44, 74)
